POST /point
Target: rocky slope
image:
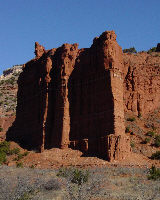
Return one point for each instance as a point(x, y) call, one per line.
point(8, 97)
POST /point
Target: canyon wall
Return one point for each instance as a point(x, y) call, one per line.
point(141, 83)
point(70, 97)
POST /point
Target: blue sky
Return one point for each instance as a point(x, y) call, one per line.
point(54, 22)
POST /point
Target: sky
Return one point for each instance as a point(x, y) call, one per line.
point(54, 22)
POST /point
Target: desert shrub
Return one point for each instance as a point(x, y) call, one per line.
point(154, 173)
point(4, 150)
point(2, 82)
point(146, 140)
point(157, 141)
point(3, 158)
point(131, 119)
point(1, 129)
point(139, 115)
point(80, 176)
point(19, 164)
point(14, 151)
point(153, 49)
point(150, 133)
point(156, 156)
point(127, 130)
point(52, 184)
point(25, 153)
point(130, 50)
point(32, 166)
point(5, 147)
point(64, 172)
point(132, 144)
point(21, 155)
point(76, 176)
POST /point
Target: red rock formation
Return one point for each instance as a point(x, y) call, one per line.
point(70, 97)
point(141, 82)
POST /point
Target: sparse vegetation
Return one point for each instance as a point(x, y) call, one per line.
point(80, 176)
point(154, 173)
point(4, 150)
point(1, 129)
point(150, 133)
point(131, 119)
point(146, 140)
point(21, 155)
point(127, 130)
point(19, 164)
point(130, 50)
point(156, 156)
point(76, 176)
point(32, 166)
point(153, 49)
point(15, 151)
point(3, 158)
point(132, 144)
point(157, 141)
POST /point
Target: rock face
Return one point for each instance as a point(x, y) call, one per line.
point(70, 97)
point(141, 83)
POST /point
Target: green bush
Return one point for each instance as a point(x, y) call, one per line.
point(132, 144)
point(150, 133)
point(76, 176)
point(154, 173)
point(131, 119)
point(153, 49)
point(3, 158)
point(21, 155)
point(156, 156)
point(4, 150)
point(25, 153)
point(64, 172)
point(14, 151)
point(1, 82)
point(32, 166)
point(147, 140)
point(127, 129)
point(130, 50)
point(157, 141)
point(1, 129)
point(19, 164)
point(80, 177)
point(5, 147)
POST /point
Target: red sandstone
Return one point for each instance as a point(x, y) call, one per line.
point(70, 97)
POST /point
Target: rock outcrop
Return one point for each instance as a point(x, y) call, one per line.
point(70, 97)
point(141, 83)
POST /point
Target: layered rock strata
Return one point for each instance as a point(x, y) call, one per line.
point(141, 83)
point(70, 97)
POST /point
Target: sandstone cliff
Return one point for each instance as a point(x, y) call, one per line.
point(141, 83)
point(70, 97)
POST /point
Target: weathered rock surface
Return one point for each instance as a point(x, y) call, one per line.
point(141, 82)
point(70, 97)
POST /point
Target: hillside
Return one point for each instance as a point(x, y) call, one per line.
point(8, 97)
